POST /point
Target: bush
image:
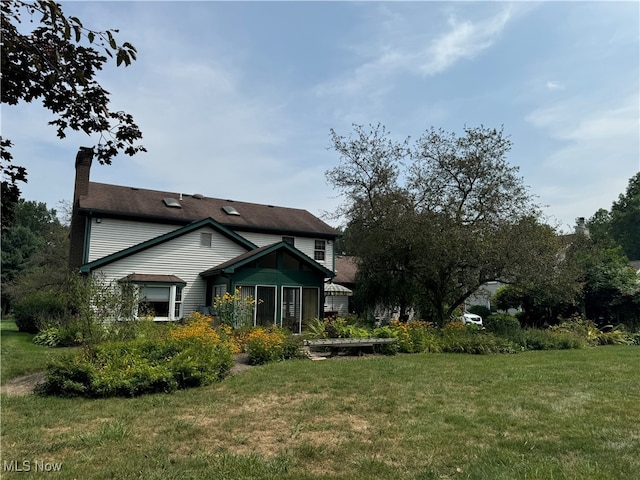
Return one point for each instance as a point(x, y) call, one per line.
point(473, 340)
point(36, 311)
point(501, 324)
point(265, 345)
point(137, 367)
point(537, 339)
point(416, 336)
point(49, 337)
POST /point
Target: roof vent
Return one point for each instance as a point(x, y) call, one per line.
point(229, 210)
point(171, 202)
point(199, 196)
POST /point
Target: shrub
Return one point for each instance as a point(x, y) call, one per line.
point(416, 336)
point(49, 337)
point(349, 326)
point(196, 327)
point(315, 328)
point(537, 339)
point(34, 312)
point(201, 364)
point(292, 347)
point(137, 367)
point(234, 310)
point(474, 341)
point(501, 324)
point(265, 345)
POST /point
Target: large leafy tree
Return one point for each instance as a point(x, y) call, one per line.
point(34, 251)
point(432, 221)
point(621, 225)
point(625, 219)
point(57, 62)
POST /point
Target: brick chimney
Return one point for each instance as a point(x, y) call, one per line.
point(78, 222)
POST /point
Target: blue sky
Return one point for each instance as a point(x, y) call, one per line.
point(235, 100)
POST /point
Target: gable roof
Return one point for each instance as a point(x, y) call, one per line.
point(207, 222)
point(232, 265)
point(128, 202)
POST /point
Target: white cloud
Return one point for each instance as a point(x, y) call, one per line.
point(407, 49)
point(464, 40)
point(553, 85)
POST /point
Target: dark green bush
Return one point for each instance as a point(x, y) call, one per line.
point(36, 311)
point(502, 324)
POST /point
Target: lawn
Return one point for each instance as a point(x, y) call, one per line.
point(19, 356)
point(537, 415)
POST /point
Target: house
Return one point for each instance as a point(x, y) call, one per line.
point(339, 291)
point(184, 250)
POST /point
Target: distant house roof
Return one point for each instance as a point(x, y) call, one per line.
point(171, 207)
point(346, 269)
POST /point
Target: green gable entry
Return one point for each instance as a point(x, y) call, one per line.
point(288, 286)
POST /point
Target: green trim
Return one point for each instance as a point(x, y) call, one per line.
point(207, 222)
point(87, 236)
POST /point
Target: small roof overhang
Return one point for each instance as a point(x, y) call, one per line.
point(336, 289)
point(152, 278)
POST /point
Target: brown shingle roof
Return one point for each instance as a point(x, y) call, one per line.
point(120, 201)
point(346, 269)
point(146, 278)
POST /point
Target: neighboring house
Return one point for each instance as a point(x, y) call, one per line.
point(183, 250)
point(339, 292)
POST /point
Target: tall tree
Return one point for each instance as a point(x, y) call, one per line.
point(434, 221)
point(34, 251)
point(56, 62)
point(621, 225)
point(625, 219)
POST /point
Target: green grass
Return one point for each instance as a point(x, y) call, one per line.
point(570, 414)
point(19, 356)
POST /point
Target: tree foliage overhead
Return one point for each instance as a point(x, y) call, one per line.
point(431, 222)
point(57, 62)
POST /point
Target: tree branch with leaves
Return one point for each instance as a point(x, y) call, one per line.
point(57, 62)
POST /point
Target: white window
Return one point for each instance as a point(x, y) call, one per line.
point(177, 303)
point(162, 302)
point(319, 250)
